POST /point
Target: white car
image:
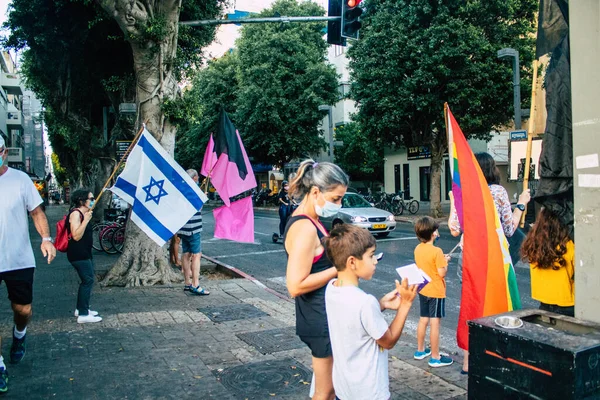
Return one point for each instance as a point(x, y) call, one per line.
point(358, 211)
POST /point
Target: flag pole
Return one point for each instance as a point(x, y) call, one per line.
point(530, 133)
point(133, 142)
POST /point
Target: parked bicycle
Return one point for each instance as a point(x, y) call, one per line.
point(114, 218)
point(399, 204)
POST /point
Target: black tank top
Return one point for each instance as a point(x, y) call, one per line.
point(80, 249)
point(311, 318)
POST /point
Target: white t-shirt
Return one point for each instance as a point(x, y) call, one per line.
point(17, 196)
point(360, 366)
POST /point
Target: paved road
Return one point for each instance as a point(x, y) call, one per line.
point(266, 261)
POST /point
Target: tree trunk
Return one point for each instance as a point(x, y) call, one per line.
point(437, 158)
point(143, 262)
point(105, 168)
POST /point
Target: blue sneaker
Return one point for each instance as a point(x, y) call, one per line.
point(17, 350)
point(3, 380)
point(443, 361)
point(419, 355)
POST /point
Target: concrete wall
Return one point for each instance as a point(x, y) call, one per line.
point(585, 80)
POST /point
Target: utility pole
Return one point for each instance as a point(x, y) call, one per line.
point(514, 54)
point(324, 107)
point(585, 84)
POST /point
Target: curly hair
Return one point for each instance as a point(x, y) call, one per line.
point(79, 197)
point(546, 243)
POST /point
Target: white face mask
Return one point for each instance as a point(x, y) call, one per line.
point(328, 210)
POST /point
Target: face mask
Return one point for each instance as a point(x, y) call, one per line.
point(328, 210)
point(92, 203)
point(1, 162)
point(437, 237)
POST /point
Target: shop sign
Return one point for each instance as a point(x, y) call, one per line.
point(418, 152)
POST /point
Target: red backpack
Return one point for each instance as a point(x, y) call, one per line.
point(61, 242)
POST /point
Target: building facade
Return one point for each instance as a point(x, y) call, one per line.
point(20, 122)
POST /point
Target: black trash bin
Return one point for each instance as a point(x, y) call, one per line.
point(550, 356)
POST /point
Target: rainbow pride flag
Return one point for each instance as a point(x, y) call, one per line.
point(489, 281)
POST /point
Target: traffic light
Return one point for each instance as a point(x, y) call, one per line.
point(334, 28)
point(351, 13)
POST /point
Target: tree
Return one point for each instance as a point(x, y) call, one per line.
point(213, 87)
point(84, 55)
point(283, 78)
point(359, 156)
point(151, 28)
point(414, 55)
point(64, 62)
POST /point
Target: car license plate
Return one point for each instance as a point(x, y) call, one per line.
point(379, 226)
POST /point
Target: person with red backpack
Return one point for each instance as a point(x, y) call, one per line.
point(79, 251)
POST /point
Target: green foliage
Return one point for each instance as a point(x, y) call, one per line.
point(77, 61)
point(283, 78)
point(414, 55)
point(271, 86)
point(360, 156)
point(59, 172)
point(213, 87)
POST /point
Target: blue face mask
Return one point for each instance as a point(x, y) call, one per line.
point(92, 203)
point(328, 210)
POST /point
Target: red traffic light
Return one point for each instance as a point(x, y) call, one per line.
point(353, 3)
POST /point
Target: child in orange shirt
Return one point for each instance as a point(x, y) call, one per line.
point(432, 297)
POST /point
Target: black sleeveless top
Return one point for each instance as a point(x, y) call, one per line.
point(311, 318)
point(80, 249)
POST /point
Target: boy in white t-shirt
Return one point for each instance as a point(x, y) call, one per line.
point(360, 336)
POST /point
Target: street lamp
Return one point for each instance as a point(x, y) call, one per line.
point(324, 107)
point(505, 53)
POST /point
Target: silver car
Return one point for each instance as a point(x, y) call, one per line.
point(358, 211)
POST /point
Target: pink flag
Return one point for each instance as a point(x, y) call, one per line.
point(226, 161)
point(235, 222)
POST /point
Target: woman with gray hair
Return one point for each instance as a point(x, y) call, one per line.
point(321, 187)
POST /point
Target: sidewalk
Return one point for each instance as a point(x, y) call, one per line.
point(160, 343)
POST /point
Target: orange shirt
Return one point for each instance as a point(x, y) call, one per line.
point(429, 258)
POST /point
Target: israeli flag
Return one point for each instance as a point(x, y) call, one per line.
point(162, 195)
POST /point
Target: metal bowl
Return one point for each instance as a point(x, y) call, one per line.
point(509, 322)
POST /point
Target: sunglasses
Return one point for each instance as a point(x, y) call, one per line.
point(91, 198)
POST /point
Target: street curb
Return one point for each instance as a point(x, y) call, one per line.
point(233, 271)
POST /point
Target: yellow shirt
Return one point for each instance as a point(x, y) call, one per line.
point(429, 258)
point(555, 286)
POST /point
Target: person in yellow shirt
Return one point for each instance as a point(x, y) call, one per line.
point(432, 298)
point(551, 254)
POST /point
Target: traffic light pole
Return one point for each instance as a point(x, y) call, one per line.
point(258, 20)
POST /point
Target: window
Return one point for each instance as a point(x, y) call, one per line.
point(343, 91)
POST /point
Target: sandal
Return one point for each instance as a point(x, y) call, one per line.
point(199, 291)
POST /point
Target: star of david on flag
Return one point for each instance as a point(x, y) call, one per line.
point(148, 189)
point(162, 195)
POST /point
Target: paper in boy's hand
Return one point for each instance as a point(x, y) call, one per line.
point(414, 274)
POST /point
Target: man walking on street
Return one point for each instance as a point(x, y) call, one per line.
point(17, 262)
point(191, 244)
